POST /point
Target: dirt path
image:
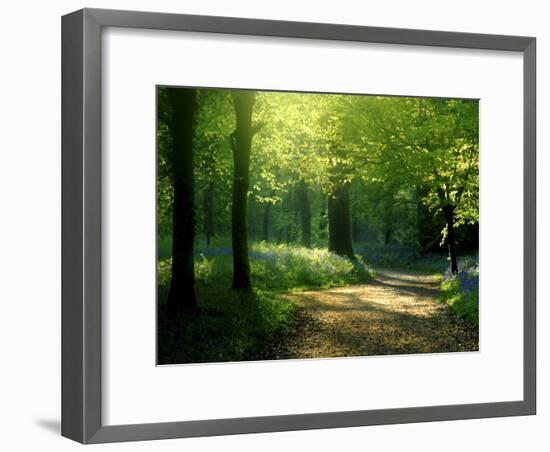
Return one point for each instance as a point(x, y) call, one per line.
point(398, 313)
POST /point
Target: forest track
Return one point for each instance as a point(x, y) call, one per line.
point(397, 313)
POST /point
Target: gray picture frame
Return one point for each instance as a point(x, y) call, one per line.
point(81, 225)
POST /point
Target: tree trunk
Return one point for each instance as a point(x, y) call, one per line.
point(448, 211)
point(323, 219)
point(354, 230)
point(387, 215)
point(241, 143)
point(305, 213)
point(208, 210)
point(387, 235)
point(265, 225)
point(339, 222)
point(181, 296)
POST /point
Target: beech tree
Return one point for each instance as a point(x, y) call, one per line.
point(241, 143)
point(181, 296)
point(430, 146)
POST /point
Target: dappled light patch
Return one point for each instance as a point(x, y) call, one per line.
point(397, 313)
point(234, 325)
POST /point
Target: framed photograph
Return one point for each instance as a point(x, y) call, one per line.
point(274, 225)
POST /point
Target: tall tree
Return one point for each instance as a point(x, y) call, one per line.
point(208, 208)
point(323, 218)
point(454, 133)
point(428, 143)
point(341, 170)
point(266, 221)
point(449, 212)
point(339, 221)
point(181, 296)
point(304, 207)
point(241, 142)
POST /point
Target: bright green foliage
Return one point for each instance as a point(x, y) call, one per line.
point(406, 159)
point(407, 167)
point(424, 150)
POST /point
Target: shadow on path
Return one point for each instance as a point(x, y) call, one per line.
point(397, 313)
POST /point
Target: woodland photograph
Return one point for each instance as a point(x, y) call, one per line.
point(294, 225)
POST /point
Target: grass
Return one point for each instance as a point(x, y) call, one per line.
point(229, 326)
point(461, 293)
point(235, 325)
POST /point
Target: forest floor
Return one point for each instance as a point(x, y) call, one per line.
point(397, 313)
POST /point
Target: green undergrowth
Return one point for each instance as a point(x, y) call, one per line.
point(462, 295)
point(228, 326)
point(234, 325)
